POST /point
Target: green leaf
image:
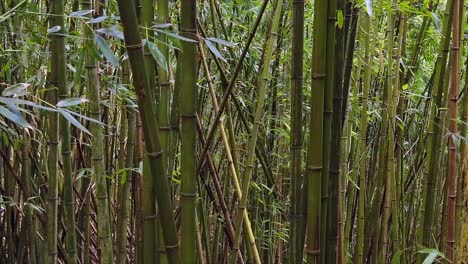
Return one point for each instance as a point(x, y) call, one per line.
point(214, 50)
point(106, 51)
point(340, 19)
point(404, 87)
point(16, 89)
point(177, 36)
point(222, 42)
point(97, 20)
point(53, 29)
point(112, 32)
point(157, 55)
point(165, 25)
point(82, 116)
point(432, 255)
point(72, 120)
point(71, 102)
point(15, 118)
point(396, 258)
point(25, 102)
point(81, 13)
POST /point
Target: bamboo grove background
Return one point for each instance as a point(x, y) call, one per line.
point(157, 131)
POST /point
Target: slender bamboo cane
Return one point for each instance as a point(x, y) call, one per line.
point(452, 152)
point(97, 151)
point(326, 221)
point(296, 246)
point(335, 252)
point(366, 33)
point(434, 132)
point(53, 134)
point(250, 162)
point(153, 145)
point(188, 106)
point(315, 145)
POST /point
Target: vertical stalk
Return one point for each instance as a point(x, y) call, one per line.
point(330, 81)
point(261, 94)
point(315, 142)
point(153, 145)
point(188, 111)
point(366, 33)
point(334, 250)
point(452, 152)
point(296, 245)
point(97, 149)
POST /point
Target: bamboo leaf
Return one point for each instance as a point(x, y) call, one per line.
point(53, 29)
point(71, 102)
point(432, 255)
point(106, 51)
point(396, 258)
point(112, 32)
point(214, 50)
point(25, 102)
point(222, 42)
point(340, 19)
point(165, 25)
point(73, 121)
point(81, 13)
point(97, 20)
point(157, 55)
point(15, 118)
point(83, 116)
point(16, 89)
point(177, 36)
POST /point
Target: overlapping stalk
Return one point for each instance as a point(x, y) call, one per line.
point(152, 142)
point(97, 150)
point(261, 93)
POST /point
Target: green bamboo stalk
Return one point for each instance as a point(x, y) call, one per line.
point(335, 251)
point(28, 226)
point(66, 151)
point(453, 129)
point(393, 91)
point(231, 85)
point(148, 193)
point(366, 33)
point(326, 222)
point(123, 219)
point(296, 246)
point(250, 162)
point(53, 135)
point(229, 156)
point(315, 145)
point(424, 236)
point(97, 150)
point(188, 111)
point(153, 146)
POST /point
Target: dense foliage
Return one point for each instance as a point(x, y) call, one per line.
point(285, 131)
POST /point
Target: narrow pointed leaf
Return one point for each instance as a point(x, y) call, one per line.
point(106, 51)
point(71, 102)
point(16, 89)
point(222, 42)
point(15, 118)
point(73, 121)
point(214, 50)
point(81, 13)
point(157, 55)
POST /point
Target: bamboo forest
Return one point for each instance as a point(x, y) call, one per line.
point(231, 131)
